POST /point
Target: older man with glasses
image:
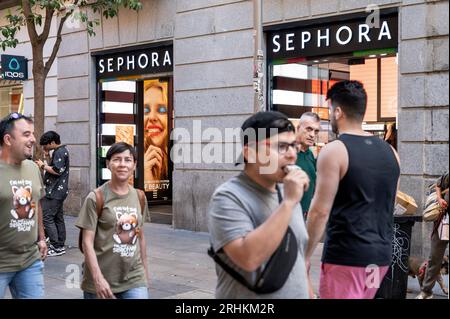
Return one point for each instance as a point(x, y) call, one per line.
point(22, 239)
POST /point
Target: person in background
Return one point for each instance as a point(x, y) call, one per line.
point(357, 182)
point(391, 135)
point(307, 133)
point(113, 243)
point(438, 246)
point(22, 239)
point(56, 181)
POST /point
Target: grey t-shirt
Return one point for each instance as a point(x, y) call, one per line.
point(238, 207)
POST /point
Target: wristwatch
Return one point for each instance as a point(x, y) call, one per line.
point(42, 166)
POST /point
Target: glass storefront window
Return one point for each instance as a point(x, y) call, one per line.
point(389, 87)
point(11, 100)
point(367, 74)
point(302, 87)
point(138, 111)
point(117, 117)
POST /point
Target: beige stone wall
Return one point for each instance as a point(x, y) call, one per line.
point(77, 84)
point(424, 102)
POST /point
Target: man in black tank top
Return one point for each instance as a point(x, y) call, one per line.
point(357, 179)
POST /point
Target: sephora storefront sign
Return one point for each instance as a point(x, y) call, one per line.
point(321, 38)
point(136, 62)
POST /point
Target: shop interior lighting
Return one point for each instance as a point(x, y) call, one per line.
point(106, 174)
point(110, 129)
point(295, 71)
point(120, 86)
point(288, 98)
point(117, 107)
point(292, 98)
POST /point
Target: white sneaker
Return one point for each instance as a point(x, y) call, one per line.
point(53, 252)
point(424, 295)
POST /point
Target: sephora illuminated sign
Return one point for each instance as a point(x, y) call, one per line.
point(329, 38)
point(135, 62)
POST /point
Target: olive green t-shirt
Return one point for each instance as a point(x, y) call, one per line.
point(21, 188)
point(116, 242)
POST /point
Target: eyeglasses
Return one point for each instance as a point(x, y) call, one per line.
point(15, 116)
point(283, 147)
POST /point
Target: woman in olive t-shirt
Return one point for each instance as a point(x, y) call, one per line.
point(114, 243)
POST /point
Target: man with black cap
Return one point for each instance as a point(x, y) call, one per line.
point(250, 214)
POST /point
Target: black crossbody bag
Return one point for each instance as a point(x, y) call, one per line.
point(277, 269)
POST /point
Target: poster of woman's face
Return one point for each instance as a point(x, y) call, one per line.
point(156, 137)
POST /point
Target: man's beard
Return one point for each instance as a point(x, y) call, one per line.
point(334, 127)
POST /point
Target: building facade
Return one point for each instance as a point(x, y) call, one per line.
point(200, 53)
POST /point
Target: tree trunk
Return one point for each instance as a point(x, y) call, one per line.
point(39, 96)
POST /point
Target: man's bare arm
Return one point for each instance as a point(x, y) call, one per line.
point(332, 165)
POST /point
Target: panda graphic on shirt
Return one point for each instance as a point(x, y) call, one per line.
point(126, 231)
point(23, 207)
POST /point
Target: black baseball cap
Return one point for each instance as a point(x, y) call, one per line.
point(263, 125)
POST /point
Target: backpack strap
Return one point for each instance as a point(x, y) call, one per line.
point(142, 200)
point(99, 203)
point(99, 200)
point(233, 273)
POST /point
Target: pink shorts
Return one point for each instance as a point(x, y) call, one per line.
point(346, 282)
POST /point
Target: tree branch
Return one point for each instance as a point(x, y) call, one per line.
point(58, 41)
point(34, 38)
point(48, 22)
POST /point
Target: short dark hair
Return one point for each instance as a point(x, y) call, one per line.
point(49, 137)
point(7, 124)
point(263, 125)
point(351, 97)
point(118, 148)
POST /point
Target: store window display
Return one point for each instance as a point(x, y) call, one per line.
point(156, 135)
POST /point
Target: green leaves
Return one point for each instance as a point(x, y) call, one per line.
point(51, 4)
point(75, 9)
point(110, 8)
point(8, 32)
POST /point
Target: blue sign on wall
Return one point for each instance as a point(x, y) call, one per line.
point(14, 67)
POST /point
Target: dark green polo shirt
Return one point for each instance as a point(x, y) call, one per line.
point(307, 162)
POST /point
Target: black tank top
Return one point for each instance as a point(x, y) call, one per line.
point(360, 227)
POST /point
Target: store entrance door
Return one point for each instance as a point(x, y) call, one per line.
point(139, 112)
